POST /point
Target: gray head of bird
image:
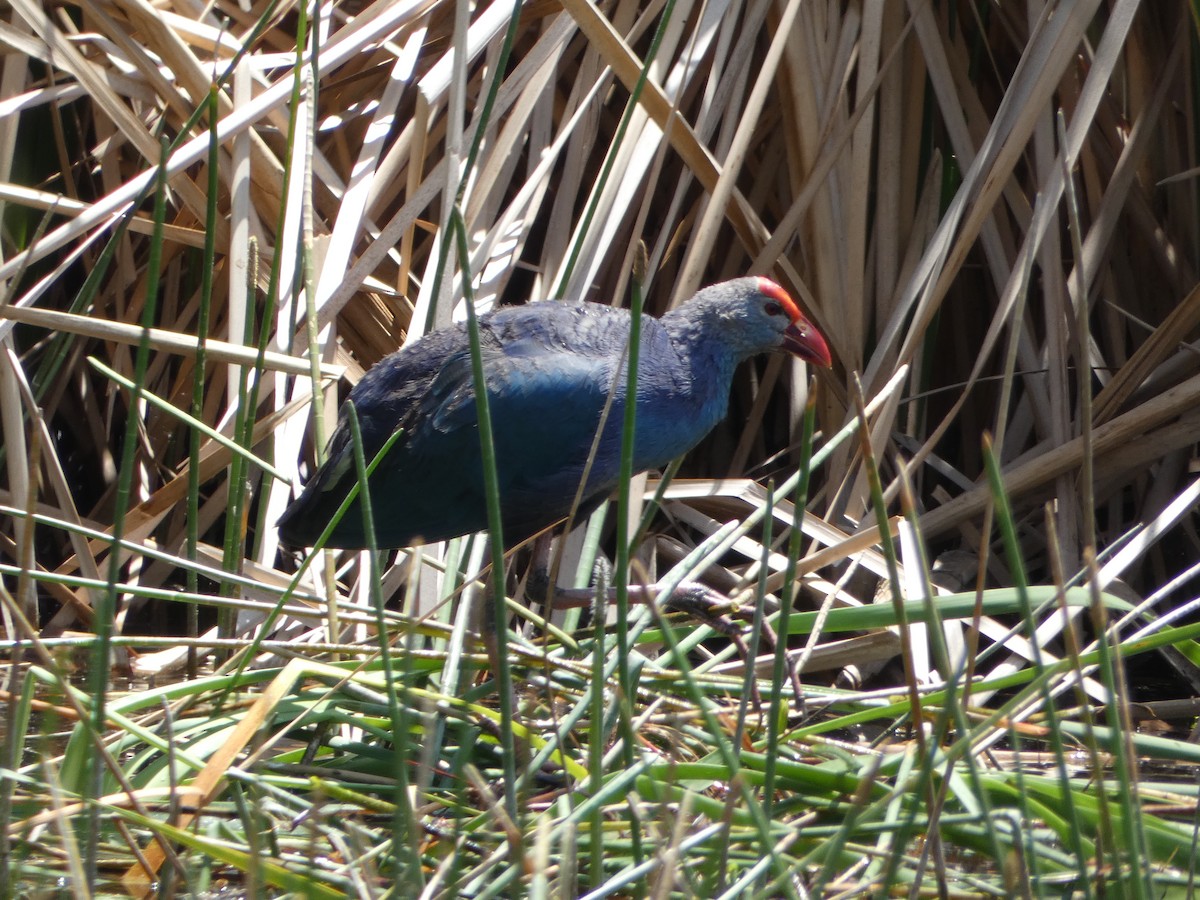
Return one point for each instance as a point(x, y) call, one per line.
point(755, 315)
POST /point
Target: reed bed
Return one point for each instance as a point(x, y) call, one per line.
point(963, 657)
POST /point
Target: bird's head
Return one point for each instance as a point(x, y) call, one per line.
point(755, 315)
point(800, 337)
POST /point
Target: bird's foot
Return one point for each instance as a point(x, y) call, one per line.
point(706, 605)
point(696, 600)
point(723, 614)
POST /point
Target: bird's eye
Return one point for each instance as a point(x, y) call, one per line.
point(772, 308)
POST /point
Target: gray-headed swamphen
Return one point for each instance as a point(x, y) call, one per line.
point(549, 369)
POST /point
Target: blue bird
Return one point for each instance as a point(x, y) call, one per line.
point(549, 368)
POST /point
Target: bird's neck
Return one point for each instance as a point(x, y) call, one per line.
point(703, 336)
point(706, 362)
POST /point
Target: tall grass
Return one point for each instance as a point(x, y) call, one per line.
point(958, 571)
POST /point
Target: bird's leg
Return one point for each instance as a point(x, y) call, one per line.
point(486, 617)
point(539, 576)
point(717, 611)
point(701, 602)
point(697, 600)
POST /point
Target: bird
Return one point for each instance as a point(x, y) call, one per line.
point(550, 368)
